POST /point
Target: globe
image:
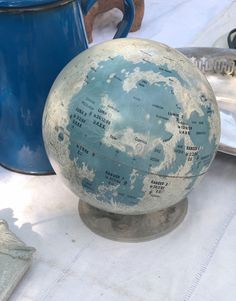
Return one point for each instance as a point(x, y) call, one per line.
point(131, 126)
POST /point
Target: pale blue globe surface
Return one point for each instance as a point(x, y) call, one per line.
point(131, 126)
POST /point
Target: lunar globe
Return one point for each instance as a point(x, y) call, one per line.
point(131, 125)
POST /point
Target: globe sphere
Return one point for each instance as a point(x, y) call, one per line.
point(131, 125)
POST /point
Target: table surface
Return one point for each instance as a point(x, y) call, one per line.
point(194, 262)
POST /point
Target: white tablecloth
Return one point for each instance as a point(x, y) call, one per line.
point(197, 261)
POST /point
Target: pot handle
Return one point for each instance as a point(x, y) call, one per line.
point(125, 24)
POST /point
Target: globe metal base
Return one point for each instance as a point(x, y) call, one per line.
point(133, 228)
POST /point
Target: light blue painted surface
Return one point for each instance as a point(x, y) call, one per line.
point(112, 166)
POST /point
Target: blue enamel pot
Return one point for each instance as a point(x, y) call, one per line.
point(37, 39)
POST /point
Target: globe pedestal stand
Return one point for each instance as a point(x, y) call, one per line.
point(133, 228)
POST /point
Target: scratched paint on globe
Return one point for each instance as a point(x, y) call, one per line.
point(139, 133)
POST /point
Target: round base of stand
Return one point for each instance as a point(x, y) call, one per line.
point(133, 228)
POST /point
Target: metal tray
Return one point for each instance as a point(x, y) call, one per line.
point(219, 67)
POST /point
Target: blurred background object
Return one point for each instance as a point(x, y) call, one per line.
point(217, 31)
point(15, 260)
point(232, 39)
point(38, 38)
point(102, 6)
